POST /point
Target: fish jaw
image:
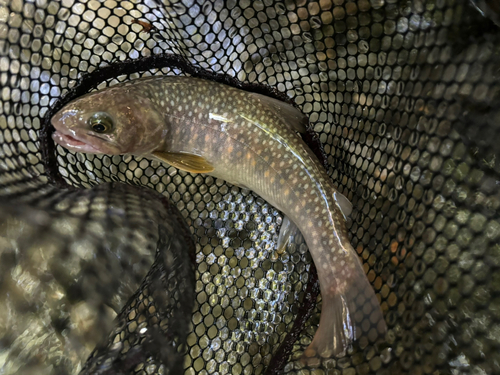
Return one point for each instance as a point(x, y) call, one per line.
point(72, 143)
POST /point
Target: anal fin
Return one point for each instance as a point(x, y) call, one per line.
point(343, 203)
point(288, 230)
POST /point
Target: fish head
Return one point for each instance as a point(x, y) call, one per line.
point(113, 121)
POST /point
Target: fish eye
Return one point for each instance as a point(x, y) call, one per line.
point(101, 122)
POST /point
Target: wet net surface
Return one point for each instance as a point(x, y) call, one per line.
point(404, 97)
point(71, 289)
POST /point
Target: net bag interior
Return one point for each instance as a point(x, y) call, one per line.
point(404, 97)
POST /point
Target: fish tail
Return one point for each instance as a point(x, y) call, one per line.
point(350, 309)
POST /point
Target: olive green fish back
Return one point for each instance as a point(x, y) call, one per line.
point(404, 97)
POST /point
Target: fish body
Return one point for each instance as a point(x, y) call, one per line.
point(251, 141)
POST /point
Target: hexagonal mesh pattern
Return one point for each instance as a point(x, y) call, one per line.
point(404, 97)
point(75, 260)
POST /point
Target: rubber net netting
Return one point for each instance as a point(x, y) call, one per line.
point(96, 266)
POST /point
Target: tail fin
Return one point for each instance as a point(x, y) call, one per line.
point(346, 314)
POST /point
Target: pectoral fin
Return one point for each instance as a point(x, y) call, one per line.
point(184, 161)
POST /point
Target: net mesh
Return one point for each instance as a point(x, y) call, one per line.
point(80, 272)
point(404, 97)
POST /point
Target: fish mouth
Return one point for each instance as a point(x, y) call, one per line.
point(72, 143)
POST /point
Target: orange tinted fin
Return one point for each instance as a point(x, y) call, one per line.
point(184, 161)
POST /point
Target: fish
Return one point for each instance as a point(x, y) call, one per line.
point(249, 140)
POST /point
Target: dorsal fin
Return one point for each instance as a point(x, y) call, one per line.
point(290, 115)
